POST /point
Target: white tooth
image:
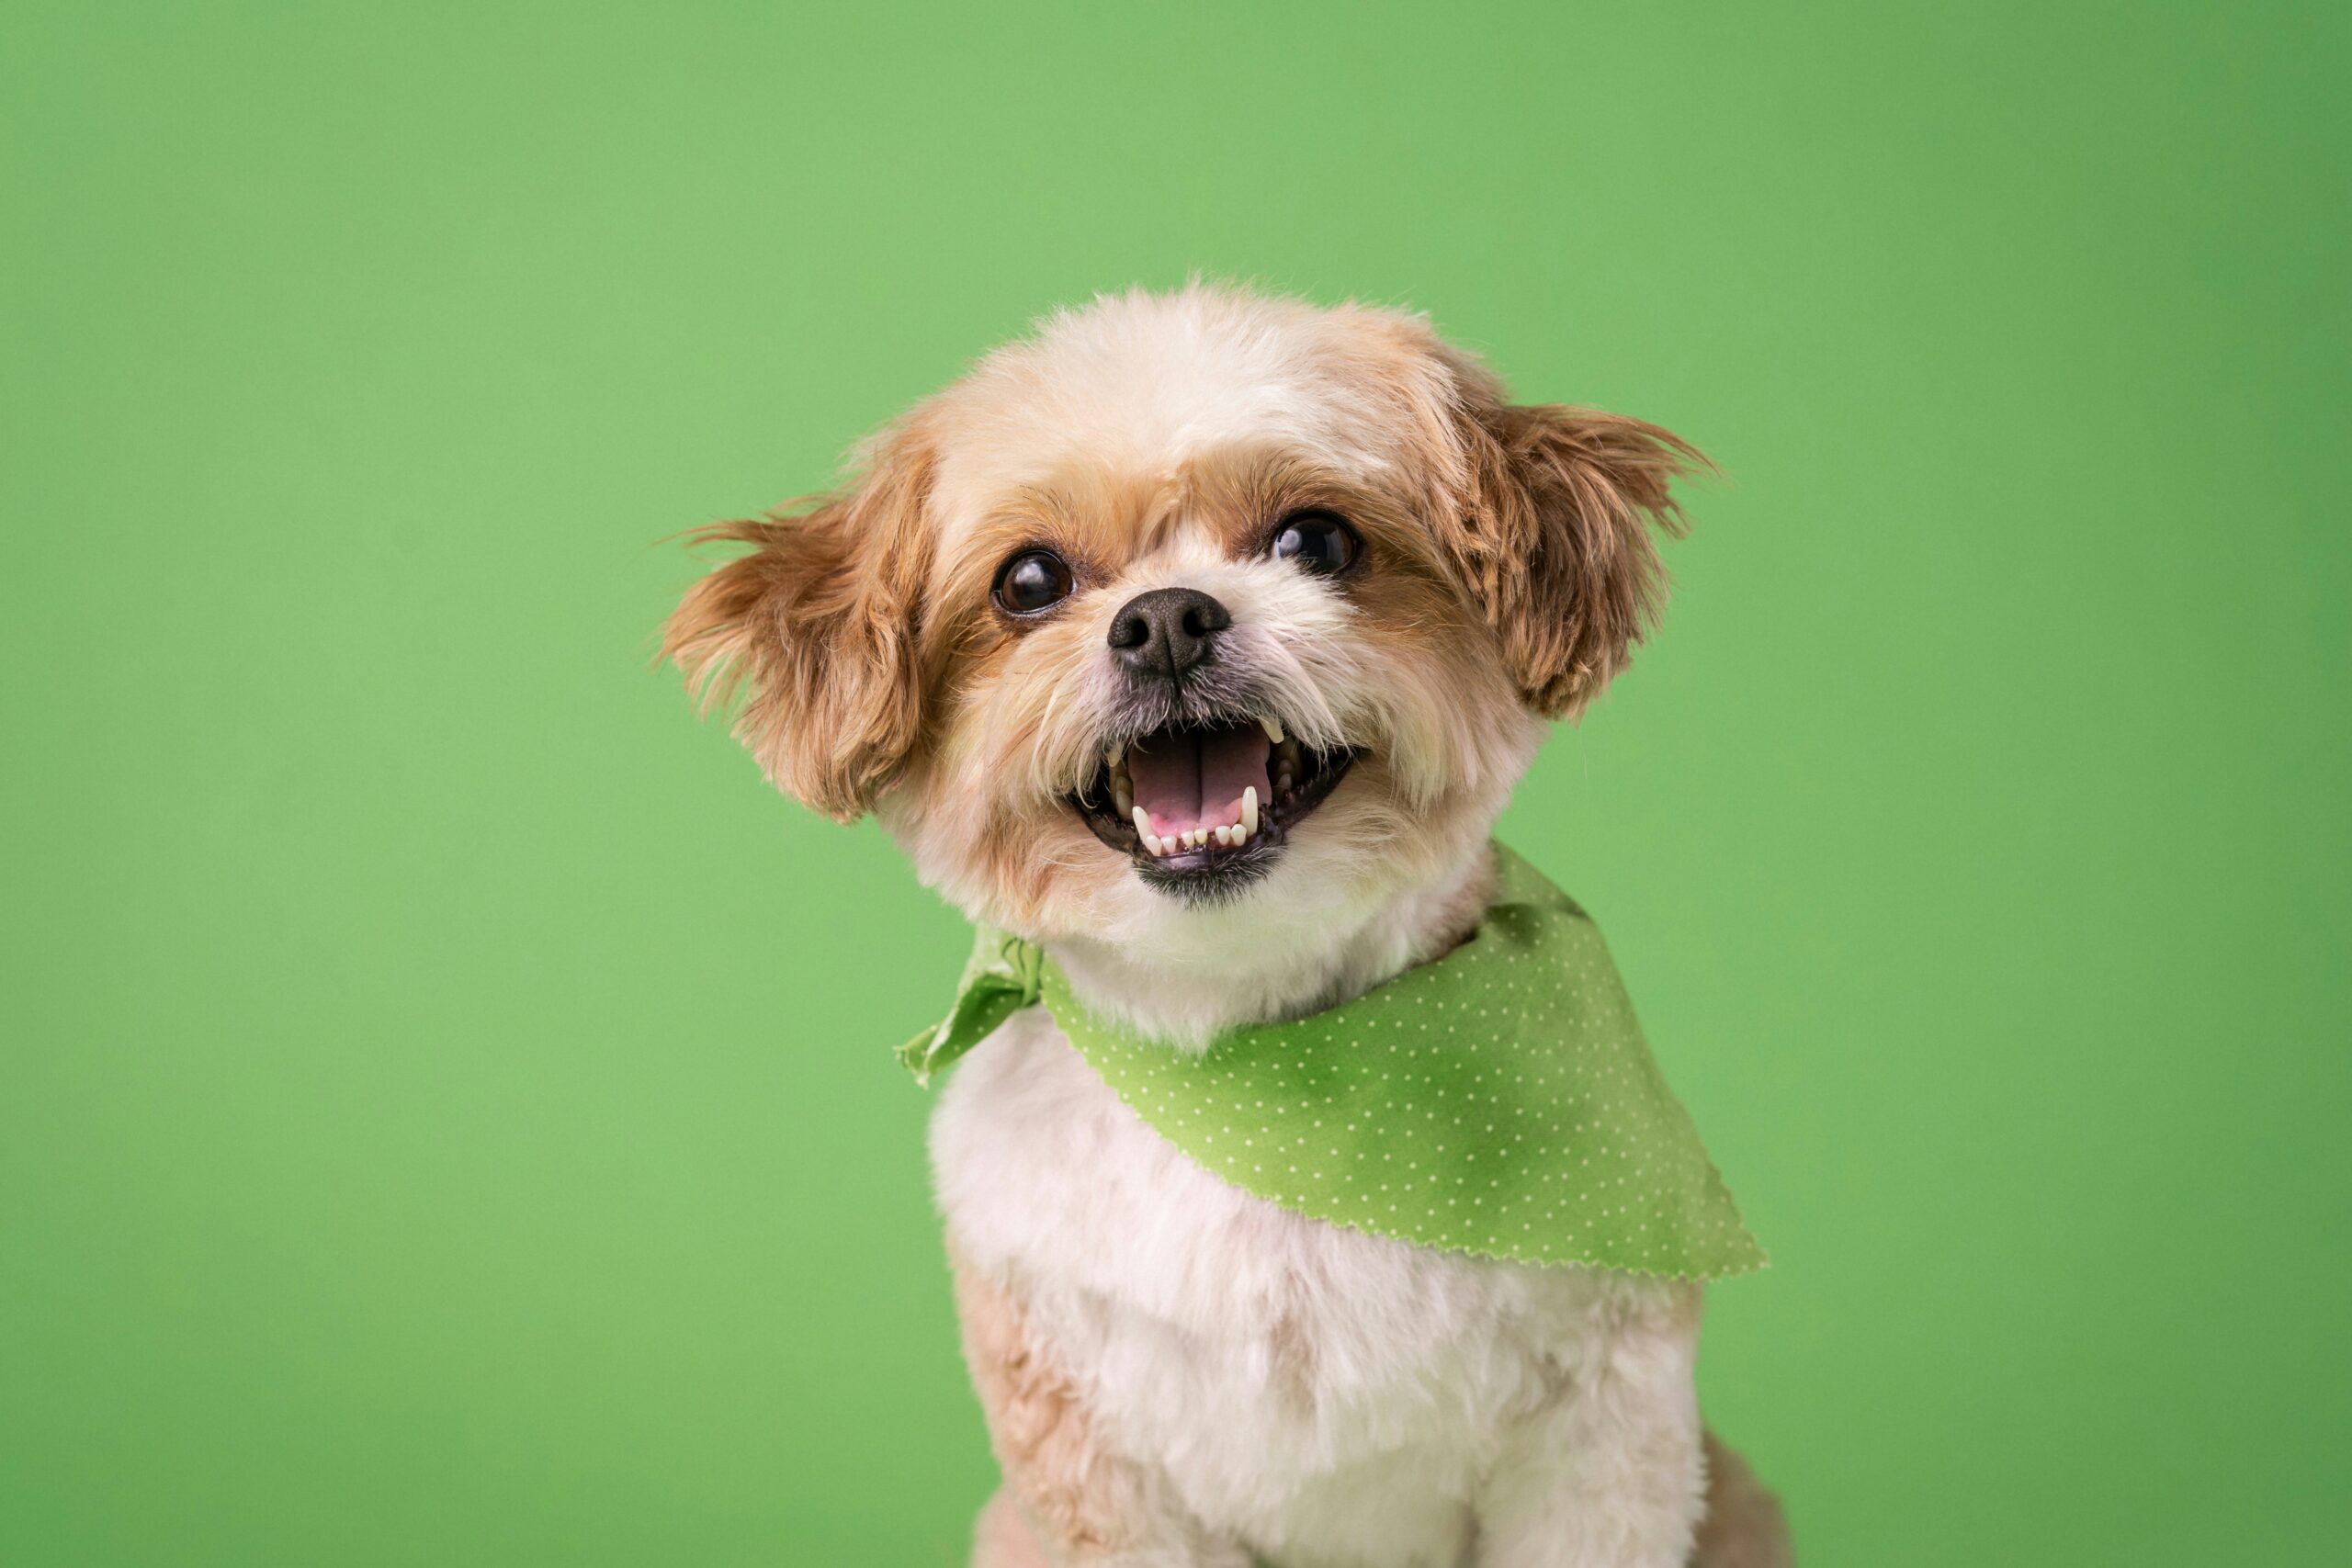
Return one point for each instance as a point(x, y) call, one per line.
point(1240, 834)
point(1250, 809)
point(1225, 836)
point(1143, 823)
point(1123, 800)
point(1197, 837)
point(1273, 728)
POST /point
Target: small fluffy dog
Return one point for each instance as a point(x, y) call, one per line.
point(1199, 639)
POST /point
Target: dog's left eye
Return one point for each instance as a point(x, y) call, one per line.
point(1032, 580)
point(1320, 541)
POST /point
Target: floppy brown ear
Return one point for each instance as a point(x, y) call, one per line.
point(1557, 548)
point(816, 628)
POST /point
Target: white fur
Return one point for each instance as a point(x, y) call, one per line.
point(1146, 381)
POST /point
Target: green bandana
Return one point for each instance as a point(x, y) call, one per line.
point(1499, 1101)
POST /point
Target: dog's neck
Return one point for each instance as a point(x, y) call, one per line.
point(1255, 974)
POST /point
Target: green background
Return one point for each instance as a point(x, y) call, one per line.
point(446, 1114)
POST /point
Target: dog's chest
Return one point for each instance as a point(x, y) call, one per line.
point(1296, 1380)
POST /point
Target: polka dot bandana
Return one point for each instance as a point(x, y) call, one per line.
point(1499, 1101)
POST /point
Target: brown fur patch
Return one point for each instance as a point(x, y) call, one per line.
point(1099, 515)
point(1556, 545)
point(817, 627)
point(1743, 1527)
point(1070, 1490)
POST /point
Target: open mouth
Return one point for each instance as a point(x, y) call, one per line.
point(1202, 806)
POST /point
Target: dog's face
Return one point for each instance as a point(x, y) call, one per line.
point(1195, 614)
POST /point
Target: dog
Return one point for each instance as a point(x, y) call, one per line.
point(1198, 638)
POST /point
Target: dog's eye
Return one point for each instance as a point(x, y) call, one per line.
point(1318, 541)
point(1030, 582)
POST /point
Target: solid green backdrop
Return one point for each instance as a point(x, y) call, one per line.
point(447, 1114)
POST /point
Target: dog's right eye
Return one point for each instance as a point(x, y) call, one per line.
point(1030, 582)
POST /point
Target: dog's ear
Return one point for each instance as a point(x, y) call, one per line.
point(816, 628)
point(1554, 543)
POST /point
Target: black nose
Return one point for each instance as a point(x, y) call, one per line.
point(1168, 631)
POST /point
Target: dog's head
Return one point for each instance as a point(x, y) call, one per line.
point(1191, 607)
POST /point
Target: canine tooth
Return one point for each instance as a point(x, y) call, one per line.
point(1122, 788)
point(1142, 828)
point(1273, 728)
point(1250, 809)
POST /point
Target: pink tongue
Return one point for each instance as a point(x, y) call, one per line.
point(1194, 779)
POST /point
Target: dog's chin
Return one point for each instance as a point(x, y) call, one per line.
point(1205, 808)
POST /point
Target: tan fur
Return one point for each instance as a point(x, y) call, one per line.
point(1743, 1527)
point(1556, 543)
point(1069, 1491)
point(820, 622)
